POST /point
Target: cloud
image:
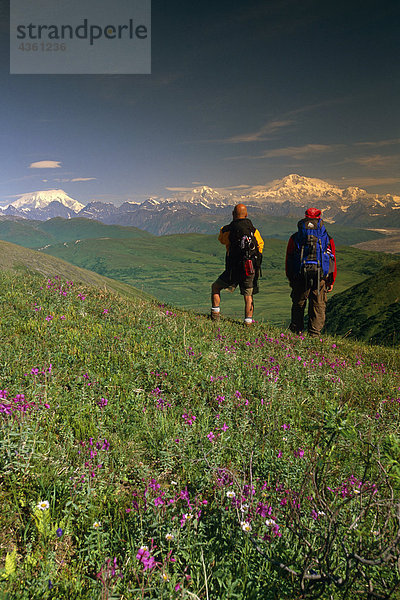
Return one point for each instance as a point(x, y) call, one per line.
point(76, 179)
point(261, 135)
point(377, 161)
point(379, 143)
point(83, 179)
point(296, 152)
point(46, 164)
point(300, 151)
point(179, 189)
point(370, 181)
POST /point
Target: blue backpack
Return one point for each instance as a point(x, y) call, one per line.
point(312, 253)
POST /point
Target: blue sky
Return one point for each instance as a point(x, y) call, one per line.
point(240, 93)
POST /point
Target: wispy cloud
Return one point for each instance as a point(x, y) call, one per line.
point(379, 143)
point(83, 179)
point(377, 161)
point(370, 181)
point(296, 152)
point(180, 189)
point(262, 134)
point(74, 180)
point(300, 152)
point(46, 164)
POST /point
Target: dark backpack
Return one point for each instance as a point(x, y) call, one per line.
point(244, 255)
point(311, 248)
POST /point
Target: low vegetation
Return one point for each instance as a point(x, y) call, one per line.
point(147, 452)
point(369, 310)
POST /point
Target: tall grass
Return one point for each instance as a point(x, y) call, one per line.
point(149, 453)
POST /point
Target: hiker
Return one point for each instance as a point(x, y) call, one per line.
point(311, 270)
point(244, 246)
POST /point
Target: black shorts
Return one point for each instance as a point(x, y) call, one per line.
point(227, 281)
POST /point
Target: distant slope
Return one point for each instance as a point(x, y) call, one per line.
point(37, 234)
point(390, 244)
point(179, 269)
point(370, 310)
point(17, 258)
point(65, 230)
point(25, 233)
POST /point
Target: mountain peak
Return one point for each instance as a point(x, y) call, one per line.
point(41, 200)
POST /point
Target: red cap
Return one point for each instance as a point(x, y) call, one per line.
point(313, 213)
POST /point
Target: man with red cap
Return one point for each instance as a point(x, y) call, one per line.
point(311, 270)
point(244, 246)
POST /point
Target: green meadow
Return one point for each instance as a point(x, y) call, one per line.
point(179, 270)
point(148, 453)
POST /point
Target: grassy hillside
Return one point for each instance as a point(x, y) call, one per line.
point(36, 234)
point(179, 269)
point(19, 259)
point(369, 310)
point(147, 453)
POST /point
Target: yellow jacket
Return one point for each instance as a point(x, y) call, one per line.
point(224, 238)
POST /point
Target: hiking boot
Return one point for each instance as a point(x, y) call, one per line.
point(215, 316)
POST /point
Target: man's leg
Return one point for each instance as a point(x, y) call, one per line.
point(316, 310)
point(216, 288)
point(248, 307)
point(216, 294)
point(299, 297)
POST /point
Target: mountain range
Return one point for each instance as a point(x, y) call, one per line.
point(200, 209)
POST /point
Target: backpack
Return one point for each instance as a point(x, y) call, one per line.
point(244, 255)
point(311, 248)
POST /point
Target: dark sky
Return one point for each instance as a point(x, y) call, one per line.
point(240, 93)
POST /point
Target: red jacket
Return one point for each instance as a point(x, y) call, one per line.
point(290, 250)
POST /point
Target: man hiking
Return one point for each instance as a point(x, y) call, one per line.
point(311, 270)
point(244, 246)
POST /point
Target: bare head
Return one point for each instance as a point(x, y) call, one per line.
point(239, 212)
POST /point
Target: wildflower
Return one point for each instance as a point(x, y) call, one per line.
point(43, 505)
point(96, 525)
point(211, 436)
point(164, 577)
point(59, 532)
point(245, 525)
point(356, 491)
point(169, 537)
point(186, 517)
point(50, 584)
point(270, 522)
point(230, 494)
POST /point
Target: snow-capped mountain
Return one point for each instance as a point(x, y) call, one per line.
point(41, 200)
point(203, 207)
